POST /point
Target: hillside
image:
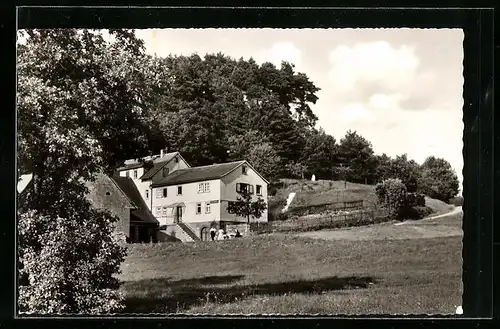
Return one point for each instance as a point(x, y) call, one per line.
point(309, 193)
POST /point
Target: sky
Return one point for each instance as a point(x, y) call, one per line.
point(399, 88)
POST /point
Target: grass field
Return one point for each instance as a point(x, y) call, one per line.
point(290, 274)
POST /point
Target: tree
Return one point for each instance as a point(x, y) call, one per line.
point(245, 206)
point(296, 169)
point(216, 97)
point(77, 96)
point(356, 151)
point(408, 171)
point(319, 153)
point(438, 180)
point(255, 147)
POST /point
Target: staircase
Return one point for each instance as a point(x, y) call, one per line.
point(188, 232)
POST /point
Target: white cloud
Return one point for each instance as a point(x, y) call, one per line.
point(374, 62)
point(282, 51)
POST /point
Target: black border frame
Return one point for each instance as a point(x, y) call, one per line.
point(481, 244)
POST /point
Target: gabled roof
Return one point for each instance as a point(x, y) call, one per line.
point(141, 210)
point(196, 174)
point(104, 193)
point(158, 164)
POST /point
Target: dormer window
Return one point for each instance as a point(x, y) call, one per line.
point(165, 171)
point(244, 170)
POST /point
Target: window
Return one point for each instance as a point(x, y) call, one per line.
point(179, 190)
point(147, 194)
point(198, 208)
point(159, 193)
point(244, 170)
point(176, 160)
point(135, 174)
point(207, 208)
point(243, 187)
point(258, 189)
point(127, 174)
point(158, 211)
point(203, 187)
point(165, 171)
point(165, 192)
point(164, 212)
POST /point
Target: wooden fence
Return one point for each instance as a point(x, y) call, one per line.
point(320, 208)
point(330, 221)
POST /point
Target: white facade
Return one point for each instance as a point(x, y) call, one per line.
point(201, 201)
point(229, 191)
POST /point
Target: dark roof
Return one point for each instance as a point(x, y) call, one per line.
point(133, 163)
point(196, 174)
point(158, 164)
point(105, 194)
point(128, 187)
point(131, 166)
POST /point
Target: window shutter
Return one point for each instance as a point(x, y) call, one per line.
point(251, 189)
point(238, 187)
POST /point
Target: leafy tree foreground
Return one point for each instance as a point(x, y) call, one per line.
point(78, 95)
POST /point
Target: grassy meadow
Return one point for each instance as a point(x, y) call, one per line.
point(289, 273)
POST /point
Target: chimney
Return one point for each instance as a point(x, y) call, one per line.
point(161, 153)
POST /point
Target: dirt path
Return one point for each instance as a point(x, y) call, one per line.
point(455, 210)
point(388, 231)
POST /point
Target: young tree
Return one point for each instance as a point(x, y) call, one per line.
point(438, 179)
point(81, 106)
point(245, 206)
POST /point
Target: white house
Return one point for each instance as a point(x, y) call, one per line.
point(188, 200)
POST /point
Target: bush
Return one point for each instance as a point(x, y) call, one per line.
point(415, 199)
point(418, 212)
point(392, 194)
point(457, 201)
point(282, 216)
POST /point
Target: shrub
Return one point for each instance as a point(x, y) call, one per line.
point(415, 199)
point(457, 201)
point(392, 194)
point(418, 212)
point(282, 216)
